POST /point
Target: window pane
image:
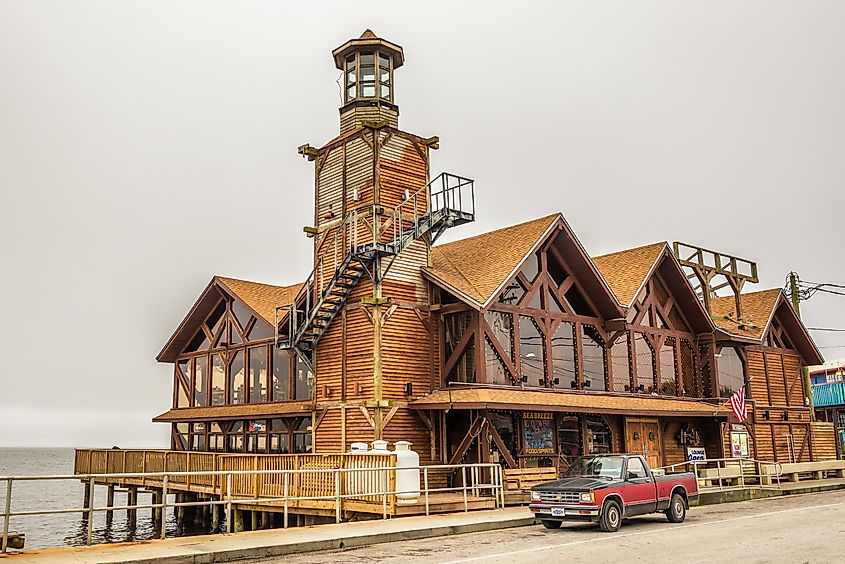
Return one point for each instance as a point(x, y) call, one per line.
point(512, 293)
point(182, 399)
point(257, 374)
point(384, 74)
point(281, 374)
point(385, 91)
point(368, 90)
point(350, 76)
point(237, 385)
point(621, 367)
point(501, 324)
point(645, 364)
point(218, 380)
point(215, 320)
point(383, 61)
point(350, 93)
point(563, 356)
point(198, 343)
point(531, 352)
point(496, 373)
point(464, 370)
point(368, 74)
point(279, 444)
point(556, 270)
point(367, 59)
point(531, 267)
point(730, 372)
point(668, 385)
point(260, 330)
point(242, 314)
point(303, 379)
point(454, 326)
point(200, 380)
point(688, 369)
point(593, 359)
point(578, 303)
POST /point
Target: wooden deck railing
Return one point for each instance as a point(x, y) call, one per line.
point(246, 486)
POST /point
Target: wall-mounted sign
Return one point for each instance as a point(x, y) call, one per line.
point(538, 431)
point(739, 444)
point(695, 454)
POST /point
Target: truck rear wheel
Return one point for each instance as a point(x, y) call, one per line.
point(677, 511)
point(551, 524)
point(611, 517)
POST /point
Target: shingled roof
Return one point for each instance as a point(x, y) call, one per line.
point(626, 271)
point(263, 299)
point(477, 266)
point(757, 309)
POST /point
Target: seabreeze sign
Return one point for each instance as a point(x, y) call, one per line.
point(695, 454)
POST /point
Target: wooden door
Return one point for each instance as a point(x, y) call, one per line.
point(642, 436)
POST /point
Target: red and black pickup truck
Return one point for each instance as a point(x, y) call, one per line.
point(607, 488)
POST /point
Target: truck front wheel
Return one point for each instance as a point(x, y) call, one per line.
point(677, 511)
point(611, 517)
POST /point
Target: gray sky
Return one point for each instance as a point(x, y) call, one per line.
point(146, 146)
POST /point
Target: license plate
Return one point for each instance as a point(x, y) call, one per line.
point(558, 512)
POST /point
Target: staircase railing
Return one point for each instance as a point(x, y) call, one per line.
point(446, 200)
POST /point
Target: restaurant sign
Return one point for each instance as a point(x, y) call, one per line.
point(538, 431)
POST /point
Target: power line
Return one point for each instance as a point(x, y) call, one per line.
point(825, 329)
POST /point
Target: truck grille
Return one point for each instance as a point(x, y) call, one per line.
point(559, 497)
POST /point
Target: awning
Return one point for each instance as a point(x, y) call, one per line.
point(584, 402)
point(245, 411)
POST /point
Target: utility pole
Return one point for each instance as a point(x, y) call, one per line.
point(805, 372)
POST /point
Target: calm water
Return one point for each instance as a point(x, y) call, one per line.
point(65, 529)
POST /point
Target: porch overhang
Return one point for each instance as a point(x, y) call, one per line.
point(578, 402)
point(228, 412)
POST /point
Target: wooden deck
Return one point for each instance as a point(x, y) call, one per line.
point(245, 488)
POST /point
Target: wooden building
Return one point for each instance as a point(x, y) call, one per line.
point(514, 346)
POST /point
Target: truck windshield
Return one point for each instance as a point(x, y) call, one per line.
point(595, 466)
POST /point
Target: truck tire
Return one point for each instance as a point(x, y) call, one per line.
point(677, 511)
point(611, 517)
point(551, 524)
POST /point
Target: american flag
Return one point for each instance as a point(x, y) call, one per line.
point(738, 404)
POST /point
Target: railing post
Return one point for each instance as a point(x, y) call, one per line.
point(337, 498)
point(501, 474)
point(464, 484)
point(164, 505)
point(7, 516)
point(287, 486)
point(425, 483)
point(90, 523)
point(384, 486)
point(229, 502)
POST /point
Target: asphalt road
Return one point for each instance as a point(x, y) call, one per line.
point(800, 528)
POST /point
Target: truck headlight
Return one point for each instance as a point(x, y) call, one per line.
point(587, 497)
point(535, 496)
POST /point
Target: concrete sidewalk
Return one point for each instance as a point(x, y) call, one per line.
point(278, 542)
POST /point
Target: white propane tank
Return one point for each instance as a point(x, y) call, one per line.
point(355, 481)
point(407, 473)
point(376, 481)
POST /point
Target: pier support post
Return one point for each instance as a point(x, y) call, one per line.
point(157, 499)
point(132, 499)
point(239, 520)
point(253, 525)
point(216, 510)
point(110, 503)
point(180, 514)
point(86, 498)
point(266, 520)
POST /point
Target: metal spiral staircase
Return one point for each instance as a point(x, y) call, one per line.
point(359, 242)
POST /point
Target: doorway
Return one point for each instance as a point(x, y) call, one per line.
point(642, 436)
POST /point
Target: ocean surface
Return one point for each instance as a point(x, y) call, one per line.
point(69, 529)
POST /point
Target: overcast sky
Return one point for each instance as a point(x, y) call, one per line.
point(146, 146)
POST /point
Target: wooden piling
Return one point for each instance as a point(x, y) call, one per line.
point(253, 518)
point(180, 514)
point(266, 520)
point(109, 504)
point(216, 511)
point(132, 499)
point(86, 498)
point(157, 513)
point(239, 520)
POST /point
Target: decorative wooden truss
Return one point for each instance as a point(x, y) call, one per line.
point(711, 271)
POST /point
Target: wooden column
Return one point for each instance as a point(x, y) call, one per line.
point(110, 503)
point(132, 499)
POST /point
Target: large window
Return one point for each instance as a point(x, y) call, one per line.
point(258, 374)
point(281, 375)
point(532, 363)
point(593, 359)
point(621, 365)
point(454, 326)
point(218, 380)
point(668, 385)
point(731, 373)
point(563, 356)
point(304, 378)
point(368, 75)
point(237, 380)
point(644, 355)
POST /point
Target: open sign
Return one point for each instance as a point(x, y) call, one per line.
point(696, 454)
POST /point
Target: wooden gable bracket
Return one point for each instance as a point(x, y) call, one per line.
point(424, 319)
point(367, 415)
point(362, 134)
point(388, 136)
point(500, 444)
point(319, 418)
point(474, 430)
point(392, 308)
point(386, 419)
